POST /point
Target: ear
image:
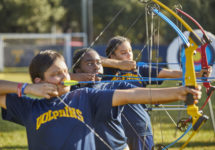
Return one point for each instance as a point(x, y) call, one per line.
point(37, 80)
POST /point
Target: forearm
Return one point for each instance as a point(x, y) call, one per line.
point(155, 95)
point(5, 88)
point(146, 96)
point(167, 73)
point(106, 62)
point(119, 64)
point(8, 87)
point(46, 90)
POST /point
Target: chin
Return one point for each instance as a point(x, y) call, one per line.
point(64, 90)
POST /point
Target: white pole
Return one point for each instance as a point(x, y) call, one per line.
point(84, 15)
point(67, 54)
point(1, 54)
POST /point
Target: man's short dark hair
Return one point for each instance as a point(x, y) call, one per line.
point(41, 62)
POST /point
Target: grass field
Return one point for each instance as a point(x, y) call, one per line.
point(13, 136)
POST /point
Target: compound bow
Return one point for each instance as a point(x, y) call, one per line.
point(190, 77)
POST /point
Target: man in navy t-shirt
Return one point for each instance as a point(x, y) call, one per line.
point(51, 124)
point(66, 120)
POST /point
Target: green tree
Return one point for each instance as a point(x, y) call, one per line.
point(130, 22)
point(29, 16)
point(42, 15)
point(134, 14)
point(71, 21)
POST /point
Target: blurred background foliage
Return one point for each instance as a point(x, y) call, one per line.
point(65, 16)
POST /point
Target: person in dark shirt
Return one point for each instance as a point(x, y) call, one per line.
point(89, 62)
point(119, 48)
point(65, 120)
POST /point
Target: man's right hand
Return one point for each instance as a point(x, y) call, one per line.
point(45, 90)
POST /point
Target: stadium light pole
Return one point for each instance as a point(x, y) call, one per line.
point(84, 15)
point(90, 20)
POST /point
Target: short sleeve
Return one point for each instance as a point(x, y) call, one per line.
point(126, 85)
point(102, 104)
point(144, 72)
point(18, 109)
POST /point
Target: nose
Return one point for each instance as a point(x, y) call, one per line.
point(96, 67)
point(129, 55)
point(65, 76)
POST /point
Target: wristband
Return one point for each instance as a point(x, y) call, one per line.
point(23, 88)
point(19, 91)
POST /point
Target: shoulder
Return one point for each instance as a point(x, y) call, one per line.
point(123, 85)
point(117, 85)
point(108, 70)
point(84, 90)
point(144, 67)
point(128, 85)
point(15, 97)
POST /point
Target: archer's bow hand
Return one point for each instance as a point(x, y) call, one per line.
point(195, 92)
point(205, 72)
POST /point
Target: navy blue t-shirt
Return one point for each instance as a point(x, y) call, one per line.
point(134, 116)
point(51, 124)
point(142, 71)
point(136, 120)
point(111, 131)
